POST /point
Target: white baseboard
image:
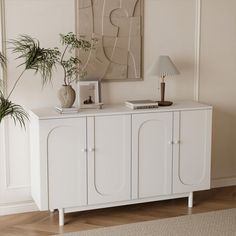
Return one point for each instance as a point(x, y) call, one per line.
point(223, 182)
point(15, 208)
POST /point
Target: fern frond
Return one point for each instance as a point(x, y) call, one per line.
point(16, 112)
point(2, 60)
point(41, 60)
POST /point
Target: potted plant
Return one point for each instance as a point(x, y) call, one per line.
point(39, 59)
point(44, 60)
point(72, 66)
point(7, 107)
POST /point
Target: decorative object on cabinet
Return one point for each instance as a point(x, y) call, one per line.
point(163, 67)
point(7, 107)
point(66, 96)
point(89, 94)
point(117, 156)
point(43, 60)
point(67, 110)
point(118, 26)
point(141, 104)
point(72, 66)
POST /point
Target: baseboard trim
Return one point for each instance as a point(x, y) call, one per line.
point(223, 182)
point(15, 208)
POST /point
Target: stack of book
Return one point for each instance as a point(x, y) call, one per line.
point(141, 104)
point(67, 110)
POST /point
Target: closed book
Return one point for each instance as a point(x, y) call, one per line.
point(66, 110)
point(141, 104)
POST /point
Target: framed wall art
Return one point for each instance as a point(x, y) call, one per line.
point(118, 27)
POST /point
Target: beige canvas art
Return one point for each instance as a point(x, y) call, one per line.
point(117, 25)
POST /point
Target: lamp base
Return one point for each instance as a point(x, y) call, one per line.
point(164, 103)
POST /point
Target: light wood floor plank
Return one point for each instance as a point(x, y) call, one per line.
point(46, 223)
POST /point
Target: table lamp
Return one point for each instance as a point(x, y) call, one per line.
point(163, 67)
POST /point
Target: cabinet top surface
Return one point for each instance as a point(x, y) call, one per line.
point(51, 113)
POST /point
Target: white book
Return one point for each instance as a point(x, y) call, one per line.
point(141, 104)
point(66, 110)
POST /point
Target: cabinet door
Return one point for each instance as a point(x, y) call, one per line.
point(152, 154)
point(109, 158)
point(192, 150)
point(65, 141)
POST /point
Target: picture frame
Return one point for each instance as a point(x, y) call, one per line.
point(88, 93)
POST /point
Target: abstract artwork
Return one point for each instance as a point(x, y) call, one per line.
point(117, 25)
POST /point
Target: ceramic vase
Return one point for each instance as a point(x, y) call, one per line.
point(66, 95)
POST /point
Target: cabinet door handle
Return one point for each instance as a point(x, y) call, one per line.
point(84, 150)
point(177, 142)
point(170, 142)
point(91, 149)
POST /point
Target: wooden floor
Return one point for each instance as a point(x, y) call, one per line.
point(45, 223)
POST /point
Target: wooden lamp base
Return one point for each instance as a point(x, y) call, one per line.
point(164, 103)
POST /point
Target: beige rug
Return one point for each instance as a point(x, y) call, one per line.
point(217, 223)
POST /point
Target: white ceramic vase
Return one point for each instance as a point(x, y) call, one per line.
point(66, 95)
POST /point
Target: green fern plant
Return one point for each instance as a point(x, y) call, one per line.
point(40, 60)
point(8, 108)
point(35, 58)
point(2, 60)
point(43, 61)
point(72, 66)
point(14, 111)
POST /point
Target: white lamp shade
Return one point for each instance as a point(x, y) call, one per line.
point(163, 67)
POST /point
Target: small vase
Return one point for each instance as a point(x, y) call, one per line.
point(66, 95)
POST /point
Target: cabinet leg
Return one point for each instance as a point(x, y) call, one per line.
point(190, 200)
point(61, 217)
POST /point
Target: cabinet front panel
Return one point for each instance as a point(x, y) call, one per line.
point(67, 164)
point(109, 164)
point(152, 152)
point(192, 154)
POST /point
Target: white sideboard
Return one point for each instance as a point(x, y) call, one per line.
point(117, 156)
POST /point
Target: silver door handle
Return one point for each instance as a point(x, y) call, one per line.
point(84, 150)
point(177, 142)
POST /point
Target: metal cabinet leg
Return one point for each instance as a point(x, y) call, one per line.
point(61, 217)
point(190, 200)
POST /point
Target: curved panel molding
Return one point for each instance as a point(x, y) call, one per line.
point(185, 179)
point(67, 164)
point(112, 185)
point(110, 161)
point(193, 149)
point(110, 153)
point(153, 154)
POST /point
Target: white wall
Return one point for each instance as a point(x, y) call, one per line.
point(218, 84)
point(163, 36)
point(171, 27)
point(43, 19)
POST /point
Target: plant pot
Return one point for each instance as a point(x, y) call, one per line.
point(66, 95)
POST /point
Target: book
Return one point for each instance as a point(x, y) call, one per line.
point(67, 110)
point(141, 104)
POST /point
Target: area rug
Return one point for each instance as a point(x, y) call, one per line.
point(217, 223)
